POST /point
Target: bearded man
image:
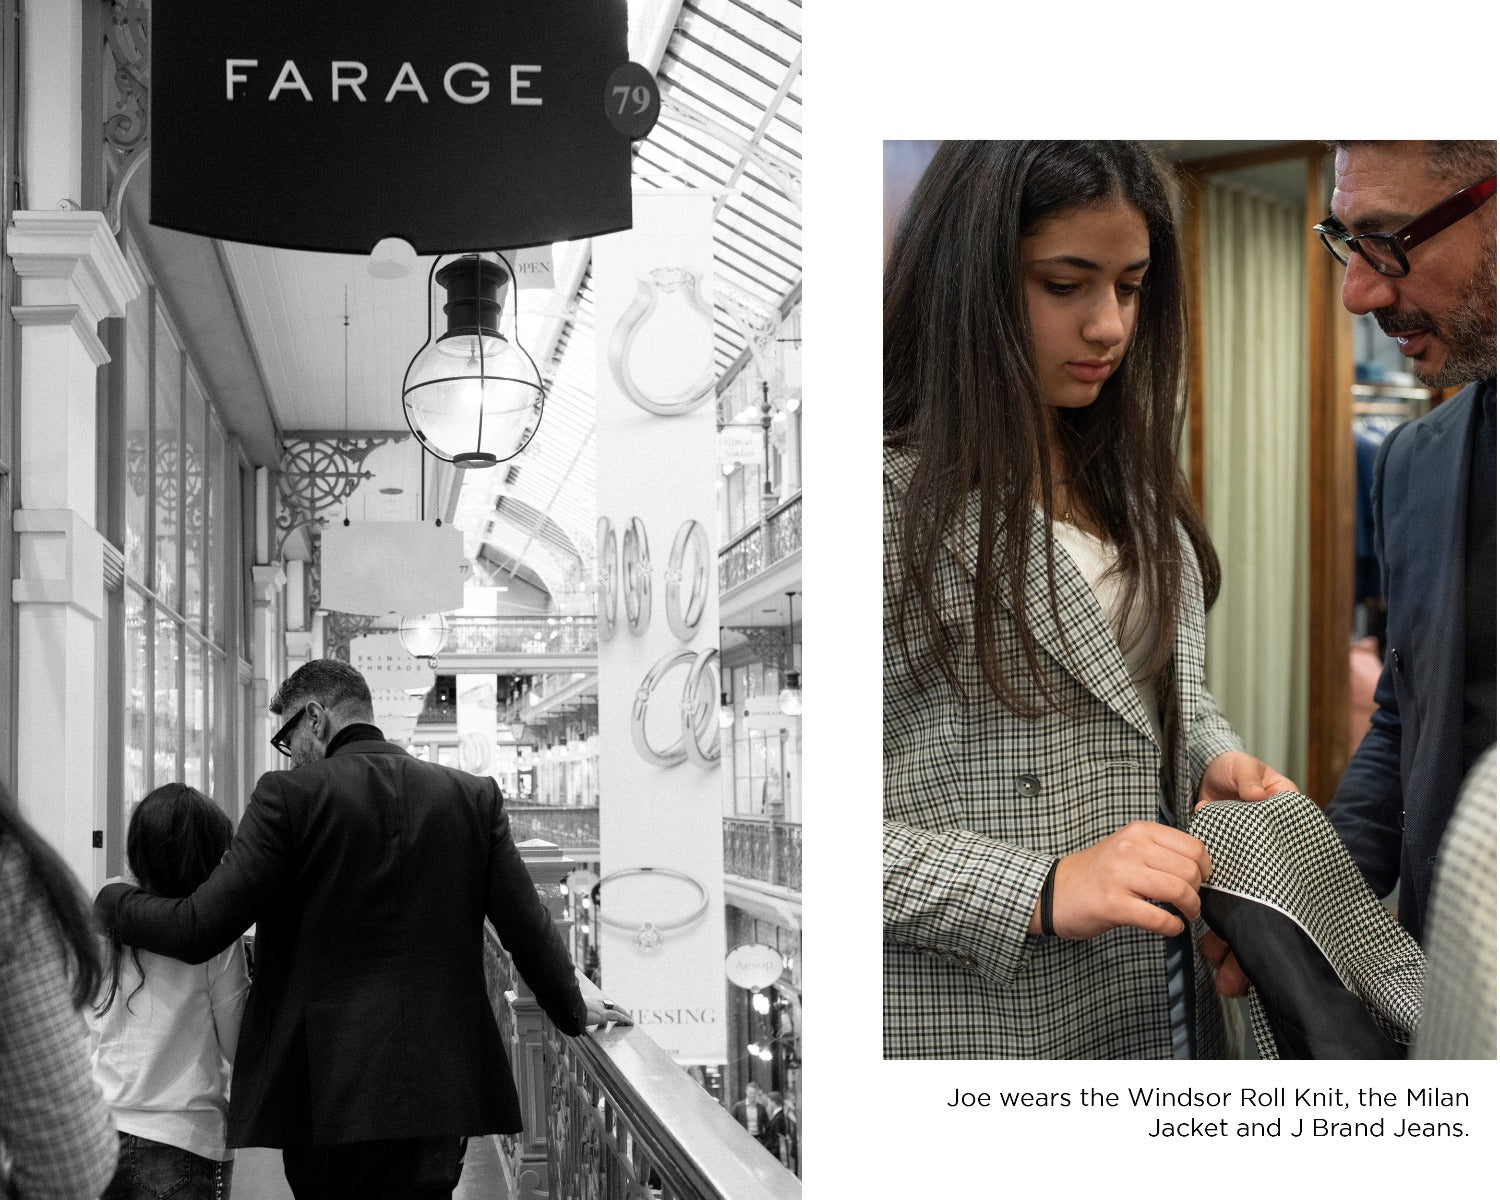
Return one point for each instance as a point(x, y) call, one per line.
point(1414, 222)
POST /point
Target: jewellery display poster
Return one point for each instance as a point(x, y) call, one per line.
point(661, 920)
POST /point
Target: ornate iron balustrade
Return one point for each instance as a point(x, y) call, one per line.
point(623, 1121)
point(564, 826)
point(521, 635)
point(759, 848)
point(775, 536)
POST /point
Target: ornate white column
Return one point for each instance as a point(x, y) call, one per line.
point(73, 275)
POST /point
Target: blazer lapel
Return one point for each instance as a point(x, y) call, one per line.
point(1085, 646)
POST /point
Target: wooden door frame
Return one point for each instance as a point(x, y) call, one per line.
point(1330, 452)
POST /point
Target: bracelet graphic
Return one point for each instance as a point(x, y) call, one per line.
point(606, 582)
point(635, 566)
point(622, 341)
point(692, 736)
point(684, 622)
point(648, 934)
point(699, 713)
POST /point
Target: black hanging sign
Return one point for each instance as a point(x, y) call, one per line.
point(331, 124)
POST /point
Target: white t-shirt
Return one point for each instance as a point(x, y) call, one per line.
point(1094, 557)
point(162, 1056)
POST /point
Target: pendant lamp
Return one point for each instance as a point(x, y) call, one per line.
point(790, 700)
point(472, 394)
point(424, 636)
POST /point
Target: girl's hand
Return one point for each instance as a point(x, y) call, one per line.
point(1236, 775)
point(1113, 882)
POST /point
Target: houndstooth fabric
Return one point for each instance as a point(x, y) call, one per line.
point(1458, 1009)
point(1283, 852)
point(978, 802)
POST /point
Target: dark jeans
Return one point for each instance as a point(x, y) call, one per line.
point(151, 1171)
point(393, 1169)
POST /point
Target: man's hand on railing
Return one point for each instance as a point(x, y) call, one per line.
point(603, 1013)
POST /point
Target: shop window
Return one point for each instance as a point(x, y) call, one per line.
point(216, 527)
point(194, 501)
point(167, 730)
point(194, 695)
point(138, 465)
point(137, 699)
point(167, 461)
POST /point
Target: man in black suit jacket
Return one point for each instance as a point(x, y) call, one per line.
point(368, 1051)
point(1434, 499)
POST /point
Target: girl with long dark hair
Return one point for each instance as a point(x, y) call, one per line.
point(1047, 731)
point(167, 1029)
point(55, 1135)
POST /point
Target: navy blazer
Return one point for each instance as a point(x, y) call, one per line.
point(1397, 793)
point(368, 876)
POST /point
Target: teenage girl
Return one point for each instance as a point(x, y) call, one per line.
point(167, 1029)
point(1047, 731)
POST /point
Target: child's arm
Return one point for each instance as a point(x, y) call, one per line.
point(228, 987)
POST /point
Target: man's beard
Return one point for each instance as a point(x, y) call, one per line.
point(1468, 333)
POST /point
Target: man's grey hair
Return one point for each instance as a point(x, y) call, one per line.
point(335, 685)
point(1462, 162)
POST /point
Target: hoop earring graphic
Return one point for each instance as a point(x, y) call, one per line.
point(635, 566)
point(691, 693)
point(684, 622)
point(606, 582)
point(622, 341)
point(697, 716)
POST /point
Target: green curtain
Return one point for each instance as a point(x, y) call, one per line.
point(1255, 435)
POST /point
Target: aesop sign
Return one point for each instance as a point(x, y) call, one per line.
point(475, 124)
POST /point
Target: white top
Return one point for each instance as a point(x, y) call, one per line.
point(1094, 557)
point(163, 1055)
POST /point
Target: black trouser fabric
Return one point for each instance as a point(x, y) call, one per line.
point(392, 1169)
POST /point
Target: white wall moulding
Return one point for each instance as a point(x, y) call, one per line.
point(69, 257)
point(378, 567)
point(60, 561)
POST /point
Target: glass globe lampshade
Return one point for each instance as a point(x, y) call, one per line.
point(472, 395)
point(424, 636)
point(790, 700)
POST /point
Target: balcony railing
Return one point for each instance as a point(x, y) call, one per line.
point(621, 1120)
point(564, 826)
point(521, 635)
point(776, 535)
point(763, 849)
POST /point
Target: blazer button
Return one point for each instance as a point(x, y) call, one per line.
point(1028, 785)
point(1395, 658)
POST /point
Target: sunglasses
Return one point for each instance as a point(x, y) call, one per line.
point(1386, 252)
point(282, 740)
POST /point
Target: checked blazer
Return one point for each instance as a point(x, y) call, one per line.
point(978, 802)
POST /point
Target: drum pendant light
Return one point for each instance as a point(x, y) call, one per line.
point(472, 395)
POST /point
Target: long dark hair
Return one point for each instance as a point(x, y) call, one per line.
point(176, 838)
point(52, 882)
point(961, 392)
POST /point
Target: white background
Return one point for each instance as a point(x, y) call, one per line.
point(1164, 70)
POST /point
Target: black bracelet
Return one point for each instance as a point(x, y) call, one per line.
point(1047, 885)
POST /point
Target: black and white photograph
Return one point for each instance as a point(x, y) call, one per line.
point(402, 790)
